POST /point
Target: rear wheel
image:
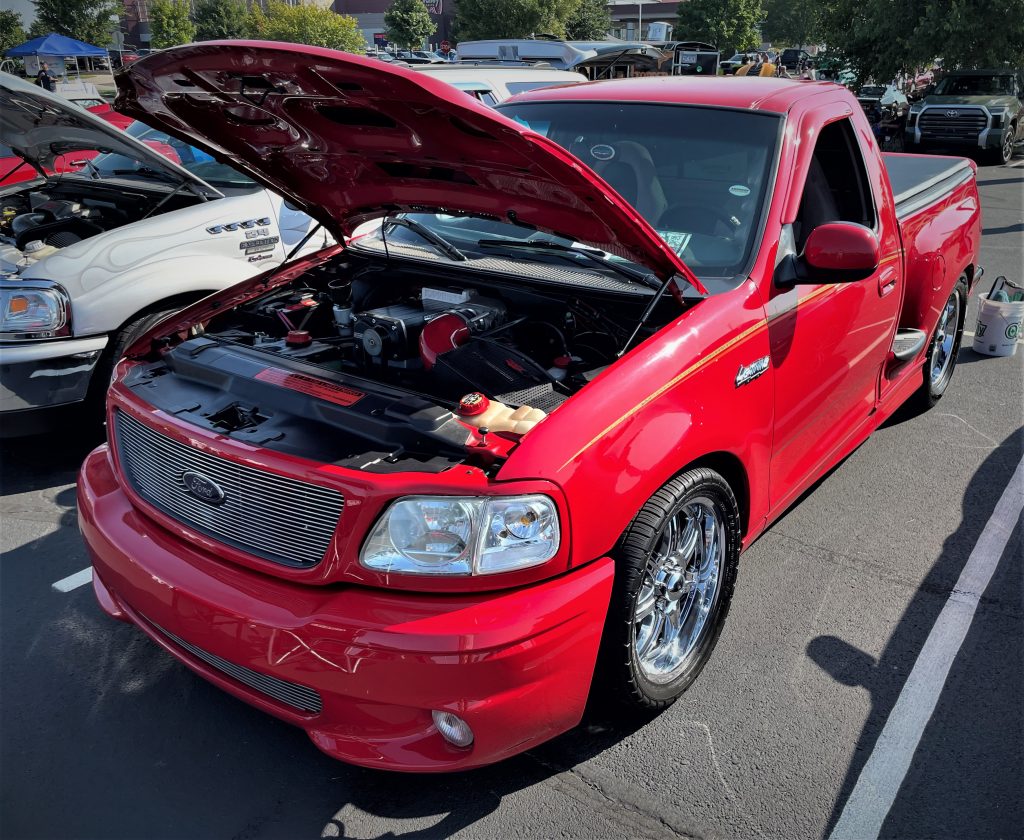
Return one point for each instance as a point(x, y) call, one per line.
point(676, 569)
point(944, 347)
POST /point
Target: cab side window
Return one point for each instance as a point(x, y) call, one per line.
point(837, 188)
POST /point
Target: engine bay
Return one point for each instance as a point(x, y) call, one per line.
point(35, 223)
point(409, 371)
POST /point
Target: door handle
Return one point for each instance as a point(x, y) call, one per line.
point(887, 281)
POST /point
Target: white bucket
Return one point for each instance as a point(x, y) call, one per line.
point(998, 327)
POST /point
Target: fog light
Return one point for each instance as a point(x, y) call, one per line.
point(453, 728)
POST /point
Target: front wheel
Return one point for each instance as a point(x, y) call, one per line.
point(944, 347)
point(676, 569)
point(1004, 153)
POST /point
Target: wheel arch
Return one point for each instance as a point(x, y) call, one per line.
point(169, 303)
point(731, 468)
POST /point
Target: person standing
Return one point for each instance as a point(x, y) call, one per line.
point(44, 78)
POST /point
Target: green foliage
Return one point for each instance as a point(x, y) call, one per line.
point(170, 23)
point(217, 20)
point(883, 38)
point(12, 32)
point(481, 19)
point(589, 21)
point(305, 25)
point(86, 20)
point(407, 24)
point(728, 24)
point(793, 23)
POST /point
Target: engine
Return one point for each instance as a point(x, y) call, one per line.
point(34, 225)
point(437, 339)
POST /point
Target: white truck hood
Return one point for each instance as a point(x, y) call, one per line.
point(40, 126)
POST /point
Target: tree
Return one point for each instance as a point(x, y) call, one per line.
point(306, 25)
point(12, 32)
point(217, 20)
point(407, 23)
point(86, 20)
point(589, 21)
point(479, 19)
point(170, 23)
point(728, 24)
point(792, 22)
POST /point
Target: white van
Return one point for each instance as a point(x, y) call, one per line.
point(493, 83)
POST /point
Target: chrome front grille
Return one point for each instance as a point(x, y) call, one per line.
point(297, 696)
point(952, 123)
point(280, 519)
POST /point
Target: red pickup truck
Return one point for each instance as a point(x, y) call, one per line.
point(423, 493)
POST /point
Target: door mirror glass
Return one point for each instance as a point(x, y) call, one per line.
point(840, 252)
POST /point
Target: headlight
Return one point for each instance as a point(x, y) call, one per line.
point(450, 535)
point(997, 119)
point(34, 311)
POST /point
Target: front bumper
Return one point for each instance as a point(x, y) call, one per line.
point(516, 665)
point(42, 375)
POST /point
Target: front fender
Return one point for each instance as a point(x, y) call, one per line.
point(667, 403)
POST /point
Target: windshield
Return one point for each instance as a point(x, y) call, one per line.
point(698, 175)
point(194, 160)
point(872, 90)
point(975, 86)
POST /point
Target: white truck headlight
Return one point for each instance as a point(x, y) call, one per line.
point(39, 310)
point(459, 535)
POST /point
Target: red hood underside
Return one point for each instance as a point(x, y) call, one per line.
point(349, 139)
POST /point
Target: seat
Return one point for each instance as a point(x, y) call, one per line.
point(817, 205)
point(632, 174)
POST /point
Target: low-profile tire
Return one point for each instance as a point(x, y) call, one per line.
point(676, 568)
point(944, 347)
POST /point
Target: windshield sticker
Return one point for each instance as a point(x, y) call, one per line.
point(675, 240)
point(739, 190)
point(602, 151)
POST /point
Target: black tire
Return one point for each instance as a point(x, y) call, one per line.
point(95, 403)
point(932, 389)
point(1004, 154)
point(620, 677)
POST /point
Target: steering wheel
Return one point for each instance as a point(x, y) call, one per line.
point(695, 218)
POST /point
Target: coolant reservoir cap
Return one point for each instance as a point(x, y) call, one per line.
point(473, 404)
point(298, 338)
point(33, 246)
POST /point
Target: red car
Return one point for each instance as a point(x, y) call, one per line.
point(424, 493)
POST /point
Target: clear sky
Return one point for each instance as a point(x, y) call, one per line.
point(26, 7)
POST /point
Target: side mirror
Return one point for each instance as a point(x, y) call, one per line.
point(836, 252)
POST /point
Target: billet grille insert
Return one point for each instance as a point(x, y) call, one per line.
point(276, 518)
point(299, 697)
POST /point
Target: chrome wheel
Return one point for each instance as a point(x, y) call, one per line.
point(945, 339)
point(1008, 136)
point(679, 589)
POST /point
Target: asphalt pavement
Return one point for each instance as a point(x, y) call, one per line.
point(102, 735)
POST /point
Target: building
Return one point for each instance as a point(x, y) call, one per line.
point(626, 19)
point(370, 14)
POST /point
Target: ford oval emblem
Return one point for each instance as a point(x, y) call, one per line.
point(203, 488)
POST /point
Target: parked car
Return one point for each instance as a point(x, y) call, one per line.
point(491, 83)
point(971, 111)
point(133, 224)
point(87, 95)
point(424, 494)
point(731, 65)
point(794, 60)
point(887, 96)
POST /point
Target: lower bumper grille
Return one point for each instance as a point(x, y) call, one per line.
point(299, 697)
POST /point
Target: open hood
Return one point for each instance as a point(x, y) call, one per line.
point(40, 127)
point(349, 139)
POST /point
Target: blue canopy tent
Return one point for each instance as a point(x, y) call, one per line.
point(55, 49)
point(60, 46)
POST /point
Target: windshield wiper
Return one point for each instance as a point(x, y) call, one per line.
point(166, 177)
point(634, 275)
point(435, 239)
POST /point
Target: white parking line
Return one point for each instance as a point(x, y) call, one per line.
point(872, 797)
point(74, 581)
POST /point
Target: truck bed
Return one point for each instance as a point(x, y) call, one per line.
point(920, 180)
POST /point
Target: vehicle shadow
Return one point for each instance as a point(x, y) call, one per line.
point(41, 461)
point(973, 719)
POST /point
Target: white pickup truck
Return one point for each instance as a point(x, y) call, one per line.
point(122, 234)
